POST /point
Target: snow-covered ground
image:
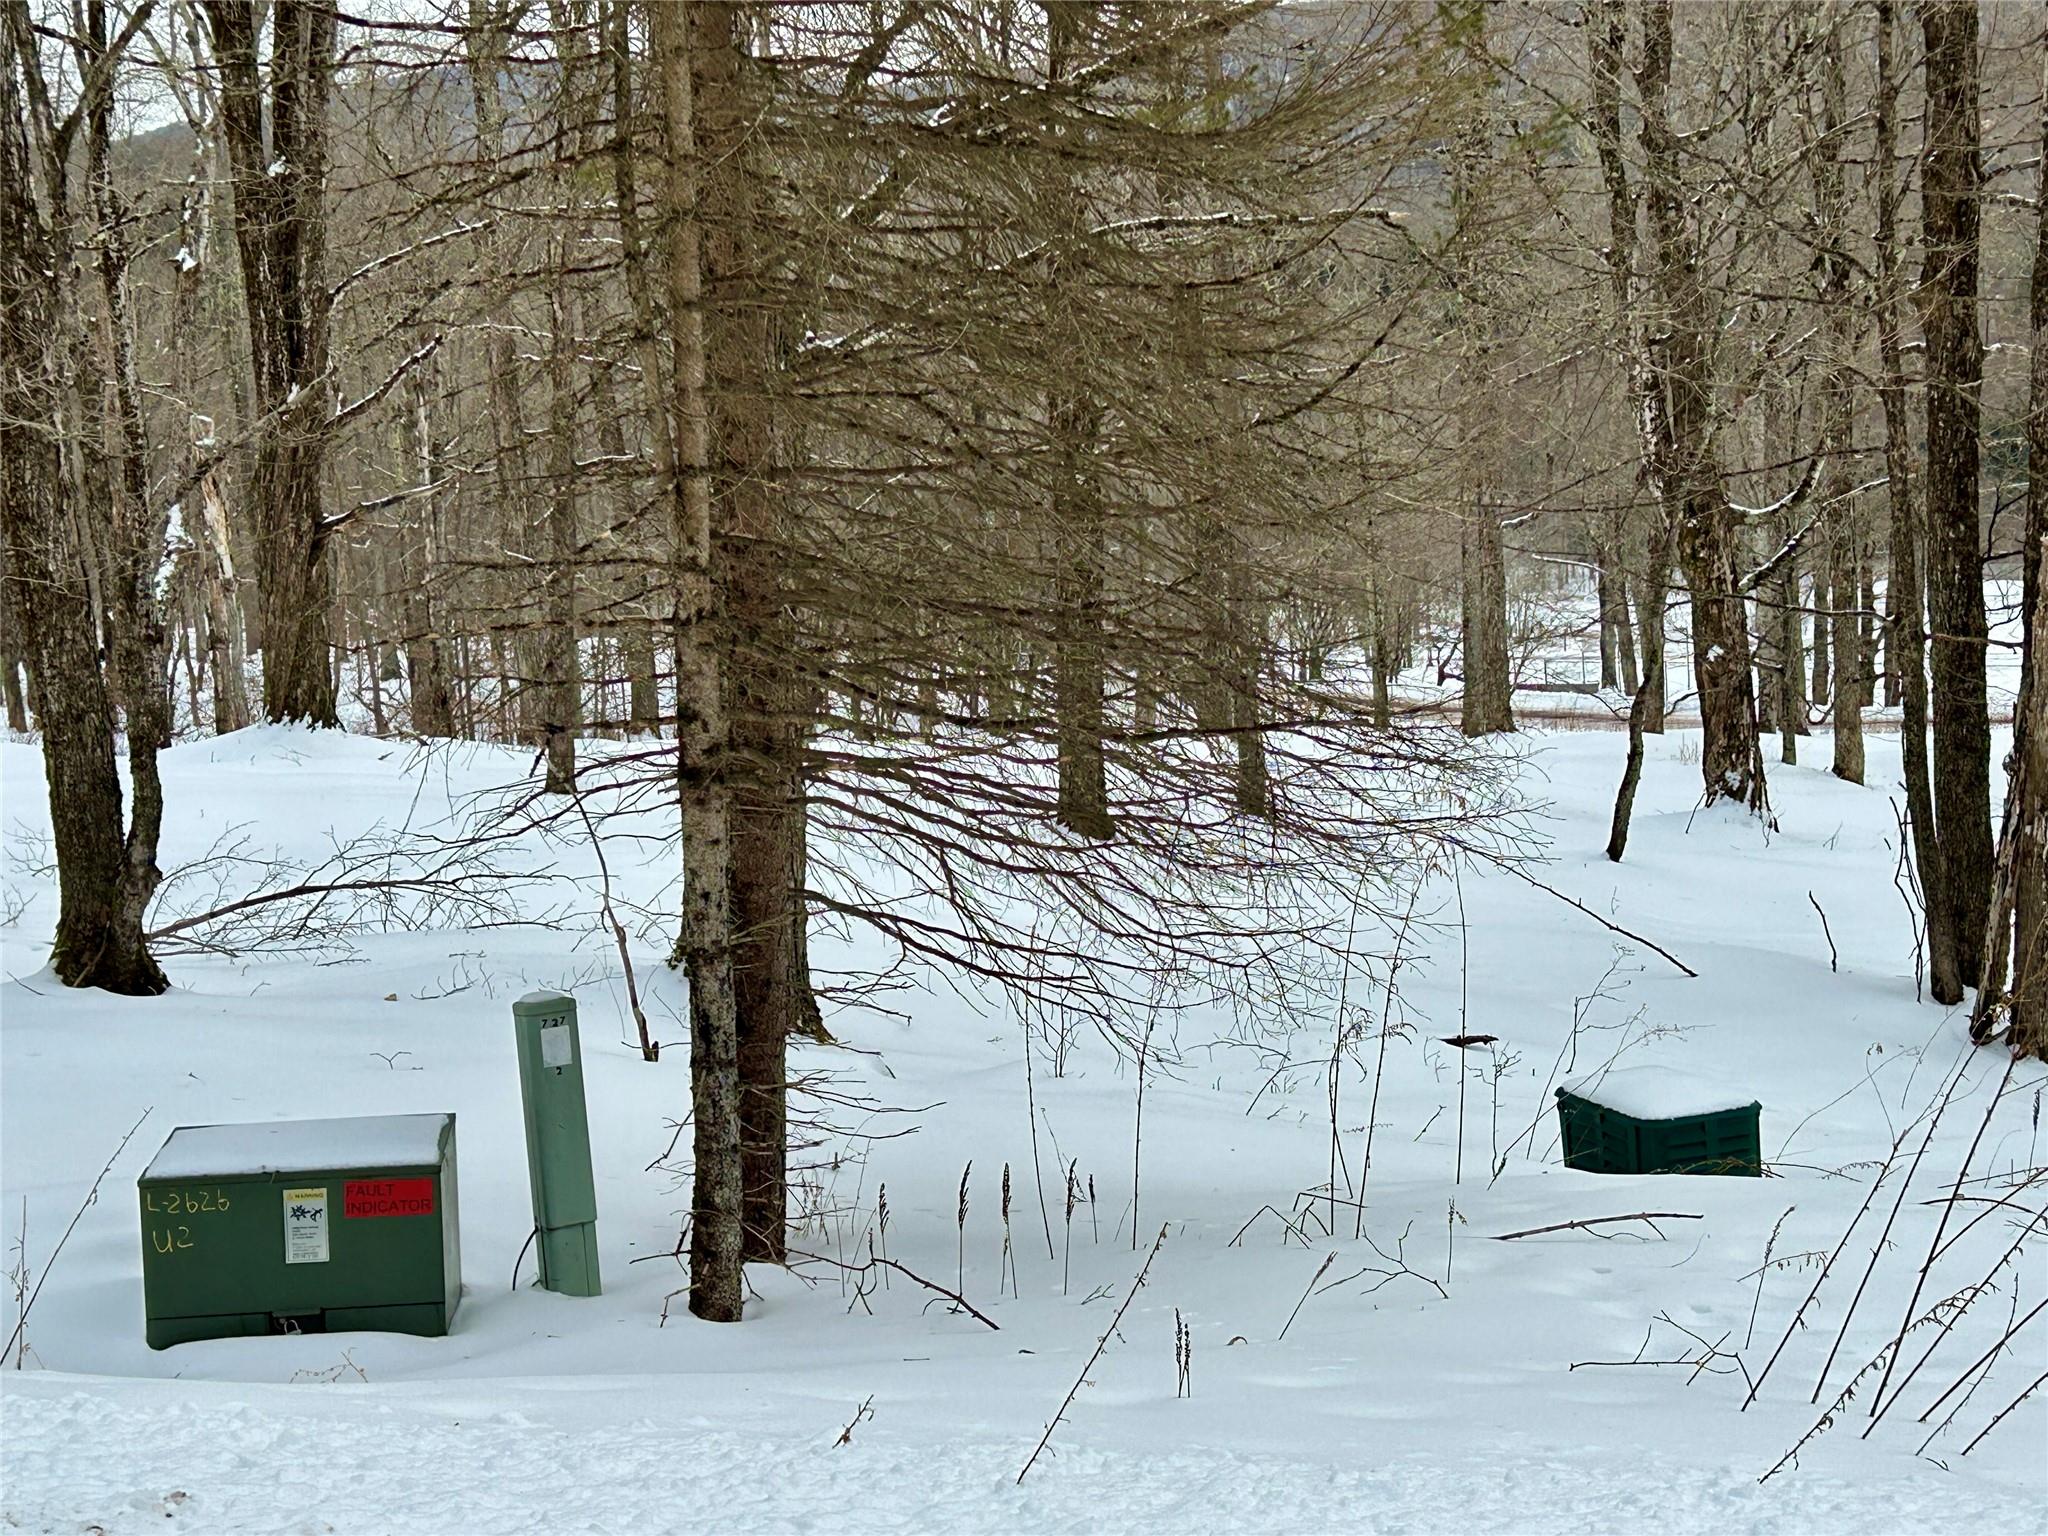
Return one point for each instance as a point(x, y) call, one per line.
point(1427, 1383)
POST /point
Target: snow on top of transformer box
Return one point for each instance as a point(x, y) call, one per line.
point(296, 1146)
point(543, 995)
point(1659, 1093)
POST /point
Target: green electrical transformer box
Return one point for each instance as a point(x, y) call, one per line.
point(301, 1226)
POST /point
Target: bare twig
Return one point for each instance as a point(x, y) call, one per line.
point(2008, 1408)
point(650, 1049)
point(1379, 1071)
point(1878, 1401)
point(1321, 1270)
point(91, 1195)
point(1652, 1217)
point(1834, 956)
point(886, 1264)
point(1100, 1345)
point(1523, 875)
point(865, 1411)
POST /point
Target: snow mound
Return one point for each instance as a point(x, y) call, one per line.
point(1659, 1093)
point(289, 1146)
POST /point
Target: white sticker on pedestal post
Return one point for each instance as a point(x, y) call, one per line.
point(305, 1226)
point(555, 1049)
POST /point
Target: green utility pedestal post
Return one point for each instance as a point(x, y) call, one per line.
point(557, 1141)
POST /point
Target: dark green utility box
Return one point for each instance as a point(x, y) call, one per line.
point(1624, 1128)
point(301, 1226)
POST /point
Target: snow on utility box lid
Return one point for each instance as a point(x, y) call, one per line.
point(293, 1146)
point(1658, 1093)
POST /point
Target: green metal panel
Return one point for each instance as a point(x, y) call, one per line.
point(1603, 1140)
point(358, 1245)
point(557, 1141)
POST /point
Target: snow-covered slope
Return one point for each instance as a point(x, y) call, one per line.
point(1427, 1383)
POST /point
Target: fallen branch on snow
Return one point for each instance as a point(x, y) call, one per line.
point(879, 1263)
point(1652, 1217)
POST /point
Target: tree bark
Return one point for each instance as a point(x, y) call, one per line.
point(426, 660)
point(561, 666)
point(2030, 862)
point(104, 877)
point(1607, 36)
point(1080, 651)
point(760, 687)
point(136, 630)
point(1488, 706)
point(211, 565)
point(2019, 913)
point(1790, 682)
point(1838, 332)
point(1383, 669)
point(1651, 589)
point(487, 47)
point(1624, 629)
point(1604, 585)
point(1682, 356)
point(1950, 187)
point(1903, 617)
point(279, 180)
point(1644, 712)
point(12, 693)
point(704, 944)
point(1821, 600)
point(1252, 783)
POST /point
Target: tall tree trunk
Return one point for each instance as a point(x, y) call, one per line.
point(426, 660)
point(761, 690)
point(1252, 783)
point(1606, 39)
point(136, 628)
point(205, 514)
point(1624, 628)
point(487, 47)
point(1903, 618)
point(1081, 645)
point(704, 944)
point(2015, 964)
point(1846, 625)
point(1651, 590)
point(1080, 538)
point(1820, 599)
point(207, 524)
point(1950, 187)
point(636, 633)
point(1779, 616)
point(561, 667)
point(1383, 669)
point(1604, 589)
point(2030, 861)
point(1791, 648)
point(280, 222)
point(2019, 915)
point(11, 631)
point(1381, 640)
point(105, 878)
point(1844, 621)
point(1488, 706)
point(1640, 715)
point(1682, 355)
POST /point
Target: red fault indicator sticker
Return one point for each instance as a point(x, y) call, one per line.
point(388, 1197)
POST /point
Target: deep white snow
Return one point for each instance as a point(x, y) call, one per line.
point(1661, 1093)
point(1434, 1379)
point(290, 1146)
